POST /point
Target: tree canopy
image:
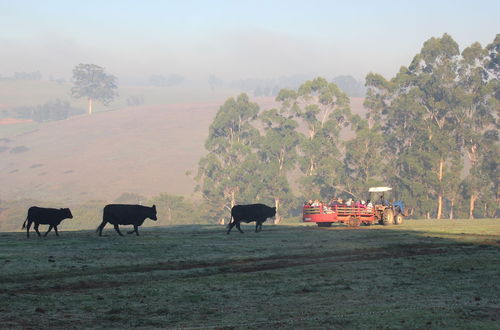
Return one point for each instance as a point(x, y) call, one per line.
point(430, 132)
point(91, 82)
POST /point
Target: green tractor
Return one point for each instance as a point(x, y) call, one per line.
point(386, 213)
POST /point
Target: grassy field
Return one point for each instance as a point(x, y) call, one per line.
point(423, 274)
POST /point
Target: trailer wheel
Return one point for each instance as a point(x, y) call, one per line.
point(324, 224)
point(398, 219)
point(353, 222)
point(388, 217)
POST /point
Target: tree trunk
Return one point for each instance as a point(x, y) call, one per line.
point(440, 205)
point(451, 209)
point(440, 192)
point(278, 217)
point(90, 106)
point(311, 167)
point(233, 199)
point(472, 205)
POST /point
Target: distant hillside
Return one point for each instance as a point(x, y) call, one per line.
point(144, 150)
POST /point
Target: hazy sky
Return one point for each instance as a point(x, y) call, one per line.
point(232, 39)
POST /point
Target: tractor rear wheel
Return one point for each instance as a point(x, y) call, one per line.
point(398, 219)
point(388, 217)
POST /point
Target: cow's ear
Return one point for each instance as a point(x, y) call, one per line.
point(154, 206)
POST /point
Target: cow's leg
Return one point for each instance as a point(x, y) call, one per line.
point(118, 230)
point(136, 227)
point(28, 226)
point(101, 227)
point(36, 229)
point(238, 227)
point(258, 226)
point(55, 229)
point(50, 228)
point(230, 226)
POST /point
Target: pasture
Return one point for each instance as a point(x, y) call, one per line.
point(422, 274)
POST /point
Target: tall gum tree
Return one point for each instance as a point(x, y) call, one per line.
point(322, 109)
point(364, 160)
point(477, 117)
point(226, 174)
point(432, 113)
point(278, 155)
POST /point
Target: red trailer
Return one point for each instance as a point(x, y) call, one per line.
point(352, 216)
point(381, 212)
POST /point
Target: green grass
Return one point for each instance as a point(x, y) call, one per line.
point(423, 274)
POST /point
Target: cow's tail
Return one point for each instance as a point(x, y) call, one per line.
point(24, 224)
point(231, 220)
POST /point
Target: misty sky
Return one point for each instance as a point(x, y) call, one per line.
point(232, 39)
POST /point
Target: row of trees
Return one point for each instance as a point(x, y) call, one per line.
point(51, 110)
point(431, 132)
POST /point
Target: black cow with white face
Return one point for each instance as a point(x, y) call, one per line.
point(123, 214)
point(248, 213)
point(45, 216)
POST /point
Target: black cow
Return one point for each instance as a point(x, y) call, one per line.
point(45, 216)
point(248, 213)
point(122, 214)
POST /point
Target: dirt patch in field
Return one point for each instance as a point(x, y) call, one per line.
point(225, 267)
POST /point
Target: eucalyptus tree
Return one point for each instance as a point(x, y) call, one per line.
point(322, 109)
point(364, 163)
point(440, 106)
point(417, 112)
point(226, 175)
point(477, 117)
point(278, 156)
point(91, 82)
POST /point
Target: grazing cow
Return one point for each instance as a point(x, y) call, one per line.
point(248, 213)
point(45, 216)
point(122, 214)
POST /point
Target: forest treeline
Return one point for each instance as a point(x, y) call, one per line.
point(430, 132)
point(52, 110)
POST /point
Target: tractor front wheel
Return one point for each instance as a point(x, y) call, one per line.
point(388, 217)
point(398, 219)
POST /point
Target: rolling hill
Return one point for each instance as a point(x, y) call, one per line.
point(144, 150)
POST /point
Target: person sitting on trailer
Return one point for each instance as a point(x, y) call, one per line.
point(334, 202)
point(369, 206)
point(360, 204)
